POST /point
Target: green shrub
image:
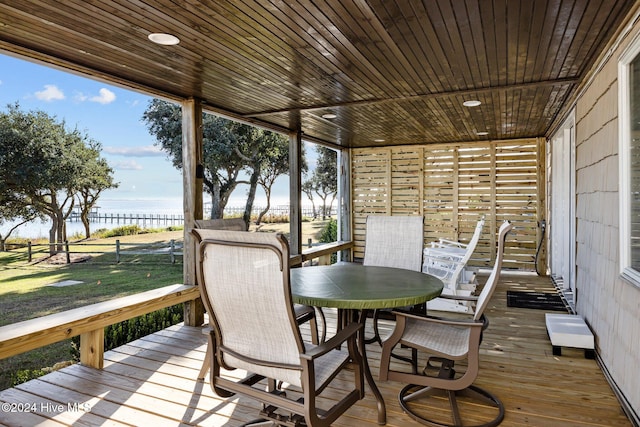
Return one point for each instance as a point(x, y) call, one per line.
point(129, 330)
point(330, 234)
point(24, 375)
point(125, 230)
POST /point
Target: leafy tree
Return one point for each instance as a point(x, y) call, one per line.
point(97, 178)
point(229, 149)
point(13, 207)
point(275, 163)
point(45, 165)
point(324, 180)
point(309, 189)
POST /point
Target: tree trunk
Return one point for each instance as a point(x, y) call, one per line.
point(85, 222)
point(61, 234)
point(52, 234)
point(267, 192)
point(217, 210)
point(253, 185)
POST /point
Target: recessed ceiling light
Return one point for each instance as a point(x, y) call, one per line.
point(483, 133)
point(378, 140)
point(164, 39)
point(329, 116)
point(471, 103)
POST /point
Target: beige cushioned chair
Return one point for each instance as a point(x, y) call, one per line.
point(244, 279)
point(445, 341)
point(393, 241)
point(304, 313)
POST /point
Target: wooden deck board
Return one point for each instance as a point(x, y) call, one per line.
point(152, 381)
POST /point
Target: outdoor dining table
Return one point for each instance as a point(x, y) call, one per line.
point(359, 289)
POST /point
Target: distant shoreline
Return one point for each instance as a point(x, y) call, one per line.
point(118, 217)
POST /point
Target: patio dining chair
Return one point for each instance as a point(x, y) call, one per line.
point(445, 342)
point(304, 313)
point(447, 260)
point(246, 289)
point(393, 241)
point(444, 257)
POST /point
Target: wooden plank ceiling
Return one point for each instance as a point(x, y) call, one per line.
point(393, 72)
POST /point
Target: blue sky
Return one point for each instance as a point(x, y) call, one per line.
point(110, 115)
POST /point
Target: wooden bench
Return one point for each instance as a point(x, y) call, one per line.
point(89, 322)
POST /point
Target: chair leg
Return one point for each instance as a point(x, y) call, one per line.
point(412, 392)
point(261, 422)
point(323, 320)
point(376, 332)
point(206, 363)
point(313, 325)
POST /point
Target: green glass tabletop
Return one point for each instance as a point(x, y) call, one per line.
point(362, 287)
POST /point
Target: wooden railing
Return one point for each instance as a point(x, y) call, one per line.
point(322, 253)
point(89, 322)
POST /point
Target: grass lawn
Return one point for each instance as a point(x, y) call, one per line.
point(25, 292)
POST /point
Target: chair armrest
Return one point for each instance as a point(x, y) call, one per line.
point(441, 320)
point(472, 298)
point(449, 260)
point(446, 242)
point(351, 330)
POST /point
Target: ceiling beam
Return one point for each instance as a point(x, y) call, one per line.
point(427, 96)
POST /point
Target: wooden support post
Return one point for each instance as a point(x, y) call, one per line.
point(541, 202)
point(324, 260)
point(295, 193)
point(345, 219)
point(92, 348)
point(192, 178)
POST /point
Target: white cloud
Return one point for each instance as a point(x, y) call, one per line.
point(131, 165)
point(105, 97)
point(143, 151)
point(50, 93)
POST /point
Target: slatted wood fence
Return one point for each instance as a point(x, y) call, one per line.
point(453, 185)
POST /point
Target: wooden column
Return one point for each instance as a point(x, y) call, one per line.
point(295, 193)
point(345, 219)
point(541, 202)
point(192, 177)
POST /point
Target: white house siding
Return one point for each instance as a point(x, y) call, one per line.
point(610, 305)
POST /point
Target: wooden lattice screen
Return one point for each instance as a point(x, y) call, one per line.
point(453, 185)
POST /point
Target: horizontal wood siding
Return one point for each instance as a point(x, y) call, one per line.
point(453, 185)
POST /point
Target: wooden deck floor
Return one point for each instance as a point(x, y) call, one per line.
point(152, 381)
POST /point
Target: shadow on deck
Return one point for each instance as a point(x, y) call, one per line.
point(152, 381)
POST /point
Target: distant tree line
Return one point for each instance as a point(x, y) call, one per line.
point(46, 170)
point(236, 153)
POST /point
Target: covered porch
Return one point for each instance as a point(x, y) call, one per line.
point(152, 381)
point(385, 84)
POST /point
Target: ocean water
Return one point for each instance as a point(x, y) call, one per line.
point(113, 206)
point(168, 206)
